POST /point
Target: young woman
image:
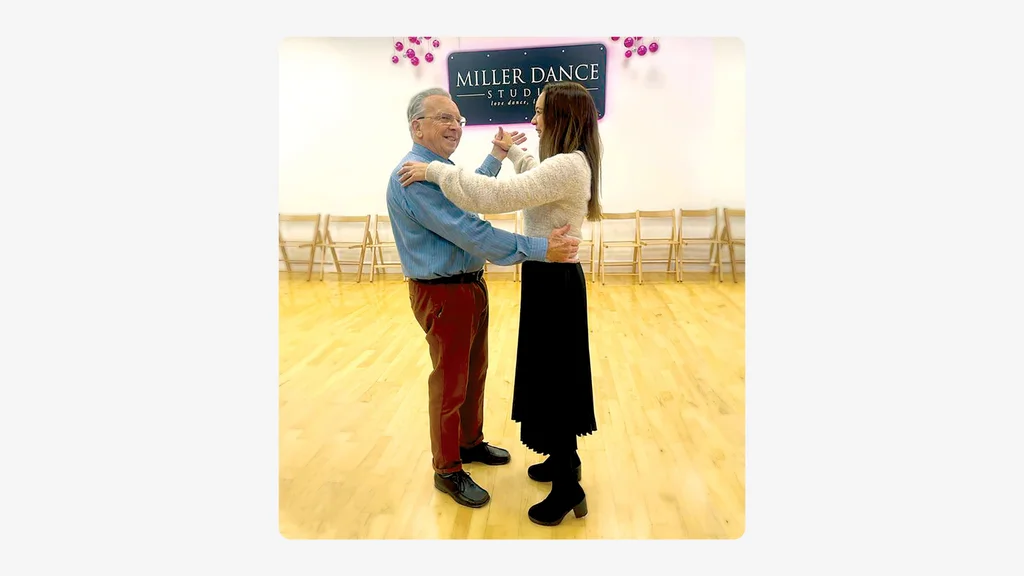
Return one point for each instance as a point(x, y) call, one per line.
point(553, 398)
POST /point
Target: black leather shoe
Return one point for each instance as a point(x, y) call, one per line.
point(486, 454)
point(559, 502)
point(543, 473)
point(461, 488)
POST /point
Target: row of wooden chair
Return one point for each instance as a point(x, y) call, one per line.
point(675, 242)
point(321, 239)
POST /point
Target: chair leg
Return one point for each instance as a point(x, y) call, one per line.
point(309, 263)
point(714, 268)
point(639, 266)
point(287, 263)
point(359, 269)
point(337, 263)
point(323, 256)
point(718, 256)
point(732, 260)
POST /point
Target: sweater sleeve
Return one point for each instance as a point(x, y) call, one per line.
point(557, 177)
point(521, 160)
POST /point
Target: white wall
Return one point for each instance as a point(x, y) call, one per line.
point(674, 130)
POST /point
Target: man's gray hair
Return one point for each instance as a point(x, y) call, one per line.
point(417, 105)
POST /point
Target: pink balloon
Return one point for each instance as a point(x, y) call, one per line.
point(653, 47)
point(394, 59)
point(628, 42)
point(615, 38)
point(415, 61)
point(399, 46)
point(437, 43)
point(410, 52)
point(429, 57)
point(629, 53)
point(641, 50)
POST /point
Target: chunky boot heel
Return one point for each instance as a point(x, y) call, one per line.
point(580, 510)
point(552, 510)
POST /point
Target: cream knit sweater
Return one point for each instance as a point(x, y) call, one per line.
point(551, 194)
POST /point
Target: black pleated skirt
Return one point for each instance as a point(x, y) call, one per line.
point(553, 396)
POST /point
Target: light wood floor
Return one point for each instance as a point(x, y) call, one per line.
point(667, 461)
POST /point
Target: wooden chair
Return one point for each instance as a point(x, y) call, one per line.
point(670, 242)
point(713, 241)
point(517, 228)
point(311, 243)
point(330, 243)
point(377, 248)
point(731, 239)
point(635, 263)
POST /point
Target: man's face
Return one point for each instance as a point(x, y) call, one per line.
point(440, 131)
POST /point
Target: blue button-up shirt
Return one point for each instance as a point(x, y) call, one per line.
point(436, 238)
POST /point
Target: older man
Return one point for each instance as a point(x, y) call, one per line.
point(443, 249)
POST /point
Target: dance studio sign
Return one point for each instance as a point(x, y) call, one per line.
point(501, 86)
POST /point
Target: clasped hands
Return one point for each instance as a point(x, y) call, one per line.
point(417, 171)
point(505, 140)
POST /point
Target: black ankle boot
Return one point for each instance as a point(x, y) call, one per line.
point(544, 472)
point(562, 499)
point(566, 494)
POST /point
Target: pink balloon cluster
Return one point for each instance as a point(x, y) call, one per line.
point(636, 43)
point(410, 53)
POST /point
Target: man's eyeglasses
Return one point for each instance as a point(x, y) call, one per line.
point(445, 118)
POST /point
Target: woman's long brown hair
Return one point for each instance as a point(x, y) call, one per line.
point(570, 124)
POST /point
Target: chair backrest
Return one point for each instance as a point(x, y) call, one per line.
point(730, 214)
point(313, 218)
point(620, 215)
point(298, 218)
point(658, 215)
point(381, 219)
point(708, 213)
point(634, 216)
point(342, 219)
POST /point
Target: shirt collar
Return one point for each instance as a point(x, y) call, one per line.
point(421, 150)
